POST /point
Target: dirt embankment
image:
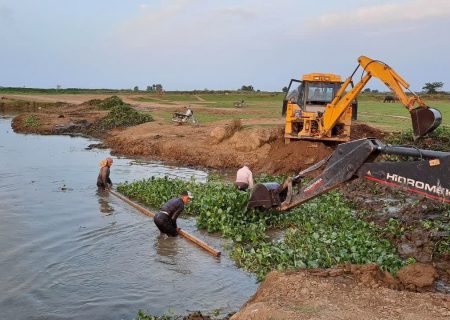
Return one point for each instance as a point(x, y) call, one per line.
point(411, 214)
point(222, 145)
point(347, 292)
point(192, 145)
point(58, 118)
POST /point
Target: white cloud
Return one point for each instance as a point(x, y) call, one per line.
point(387, 15)
point(252, 41)
point(236, 12)
point(188, 23)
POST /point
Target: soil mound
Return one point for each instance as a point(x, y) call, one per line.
point(250, 140)
point(293, 157)
point(219, 134)
point(417, 276)
point(360, 131)
point(346, 292)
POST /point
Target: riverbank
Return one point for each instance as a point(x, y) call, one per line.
point(223, 144)
point(346, 292)
point(349, 292)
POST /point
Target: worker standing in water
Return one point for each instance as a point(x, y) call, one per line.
point(244, 178)
point(166, 218)
point(103, 180)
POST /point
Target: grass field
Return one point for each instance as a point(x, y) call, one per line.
point(393, 116)
point(214, 100)
point(371, 110)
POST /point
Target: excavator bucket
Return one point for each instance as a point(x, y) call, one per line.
point(264, 195)
point(424, 120)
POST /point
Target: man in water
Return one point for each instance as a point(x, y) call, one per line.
point(244, 178)
point(166, 218)
point(103, 180)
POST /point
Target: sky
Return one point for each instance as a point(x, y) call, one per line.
point(205, 44)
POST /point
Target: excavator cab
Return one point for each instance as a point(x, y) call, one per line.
point(305, 103)
point(317, 95)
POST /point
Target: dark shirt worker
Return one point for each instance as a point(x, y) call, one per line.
point(166, 218)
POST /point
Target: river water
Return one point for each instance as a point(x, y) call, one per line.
point(68, 252)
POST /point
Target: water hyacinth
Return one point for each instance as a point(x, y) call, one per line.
point(320, 233)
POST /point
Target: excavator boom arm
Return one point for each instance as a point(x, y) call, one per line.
point(424, 119)
point(392, 80)
point(427, 176)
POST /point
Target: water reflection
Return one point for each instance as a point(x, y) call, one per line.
point(103, 200)
point(166, 246)
point(170, 254)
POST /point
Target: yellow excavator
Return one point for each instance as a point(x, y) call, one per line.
point(320, 108)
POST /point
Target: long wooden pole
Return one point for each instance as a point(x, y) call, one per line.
point(181, 232)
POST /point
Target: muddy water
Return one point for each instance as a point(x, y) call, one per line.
point(68, 252)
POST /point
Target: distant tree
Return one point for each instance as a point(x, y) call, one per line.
point(367, 90)
point(375, 91)
point(149, 89)
point(247, 88)
point(136, 88)
point(431, 87)
point(58, 86)
point(285, 89)
point(158, 88)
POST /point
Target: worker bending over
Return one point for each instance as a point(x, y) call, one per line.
point(244, 178)
point(189, 112)
point(103, 180)
point(166, 218)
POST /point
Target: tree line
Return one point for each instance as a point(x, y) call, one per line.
point(429, 87)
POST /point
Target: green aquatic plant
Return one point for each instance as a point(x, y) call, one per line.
point(32, 121)
point(124, 116)
point(438, 140)
point(108, 103)
point(320, 233)
point(193, 316)
point(143, 316)
point(219, 207)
